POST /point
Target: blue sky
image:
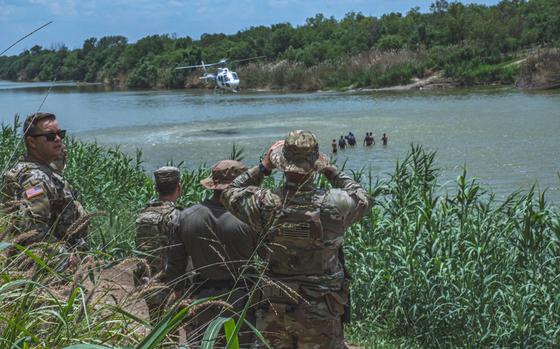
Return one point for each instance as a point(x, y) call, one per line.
point(77, 20)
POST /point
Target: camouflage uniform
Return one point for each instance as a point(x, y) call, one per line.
point(46, 202)
point(305, 230)
point(154, 227)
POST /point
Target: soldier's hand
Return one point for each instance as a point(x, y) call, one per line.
point(266, 160)
point(329, 171)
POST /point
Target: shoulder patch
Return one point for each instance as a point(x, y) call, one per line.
point(34, 191)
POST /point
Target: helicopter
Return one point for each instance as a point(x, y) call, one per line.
point(224, 79)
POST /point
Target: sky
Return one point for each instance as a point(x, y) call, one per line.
point(76, 20)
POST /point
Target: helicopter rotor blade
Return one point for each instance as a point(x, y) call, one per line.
point(247, 59)
point(197, 66)
point(222, 61)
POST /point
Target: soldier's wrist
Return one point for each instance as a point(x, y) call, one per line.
point(330, 172)
point(264, 170)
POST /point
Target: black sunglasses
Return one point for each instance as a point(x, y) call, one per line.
point(51, 136)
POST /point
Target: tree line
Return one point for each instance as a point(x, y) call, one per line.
point(453, 37)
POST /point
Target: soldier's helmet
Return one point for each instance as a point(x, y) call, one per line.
point(299, 154)
point(223, 173)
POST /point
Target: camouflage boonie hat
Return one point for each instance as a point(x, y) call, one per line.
point(167, 175)
point(223, 173)
point(299, 154)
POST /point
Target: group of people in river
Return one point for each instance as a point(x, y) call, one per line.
point(297, 291)
point(350, 141)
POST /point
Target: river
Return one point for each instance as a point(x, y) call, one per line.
point(506, 138)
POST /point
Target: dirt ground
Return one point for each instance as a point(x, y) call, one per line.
point(115, 285)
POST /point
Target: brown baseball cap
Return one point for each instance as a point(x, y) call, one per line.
point(223, 173)
point(299, 154)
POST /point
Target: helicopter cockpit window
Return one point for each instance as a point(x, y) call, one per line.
point(234, 76)
point(226, 78)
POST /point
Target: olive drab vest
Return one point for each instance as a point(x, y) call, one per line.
point(300, 241)
point(154, 227)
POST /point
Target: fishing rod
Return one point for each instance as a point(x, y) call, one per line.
point(23, 38)
point(42, 102)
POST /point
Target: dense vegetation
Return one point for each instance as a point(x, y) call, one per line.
point(469, 43)
point(428, 270)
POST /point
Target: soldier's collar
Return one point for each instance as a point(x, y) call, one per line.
point(29, 158)
point(158, 202)
point(155, 202)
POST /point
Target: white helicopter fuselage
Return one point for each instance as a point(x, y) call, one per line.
point(227, 79)
point(223, 78)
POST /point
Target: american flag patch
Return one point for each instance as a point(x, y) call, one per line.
point(34, 191)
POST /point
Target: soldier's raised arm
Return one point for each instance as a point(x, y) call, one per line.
point(247, 201)
point(352, 199)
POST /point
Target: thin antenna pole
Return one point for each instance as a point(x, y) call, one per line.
point(33, 32)
point(42, 102)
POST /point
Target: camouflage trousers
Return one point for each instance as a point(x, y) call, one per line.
point(306, 325)
point(201, 318)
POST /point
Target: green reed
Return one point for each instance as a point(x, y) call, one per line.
point(460, 269)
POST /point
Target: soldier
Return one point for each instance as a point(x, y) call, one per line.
point(47, 204)
point(220, 247)
point(154, 227)
point(304, 228)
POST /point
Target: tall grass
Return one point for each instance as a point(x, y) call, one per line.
point(370, 69)
point(465, 65)
point(461, 269)
point(541, 70)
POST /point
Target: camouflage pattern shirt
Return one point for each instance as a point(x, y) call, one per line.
point(45, 202)
point(303, 225)
point(154, 227)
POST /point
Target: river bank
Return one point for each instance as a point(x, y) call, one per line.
point(373, 70)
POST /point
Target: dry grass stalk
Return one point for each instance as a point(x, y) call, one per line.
point(146, 290)
point(195, 309)
point(10, 206)
point(20, 239)
point(80, 225)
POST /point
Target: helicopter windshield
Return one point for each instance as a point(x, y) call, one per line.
point(234, 76)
